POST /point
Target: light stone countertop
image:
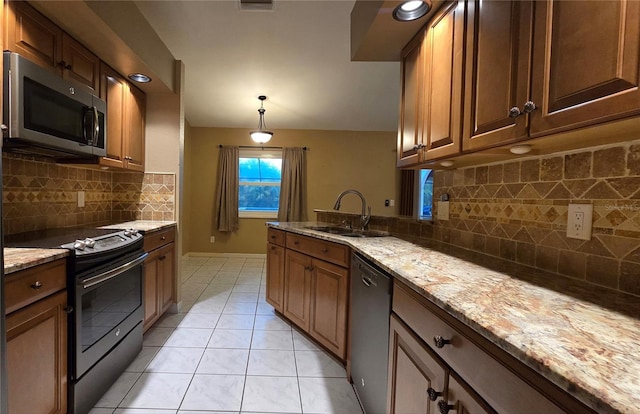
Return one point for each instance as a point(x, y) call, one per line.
point(16, 259)
point(141, 225)
point(585, 340)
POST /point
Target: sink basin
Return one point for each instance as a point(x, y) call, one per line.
point(343, 231)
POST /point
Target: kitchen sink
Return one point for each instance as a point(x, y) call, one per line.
point(347, 232)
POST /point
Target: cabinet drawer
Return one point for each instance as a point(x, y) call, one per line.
point(276, 236)
point(493, 381)
point(158, 238)
point(30, 285)
point(324, 250)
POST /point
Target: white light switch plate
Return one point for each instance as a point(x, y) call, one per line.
point(579, 221)
point(443, 210)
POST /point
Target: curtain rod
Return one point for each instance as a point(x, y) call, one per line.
point(253, 146)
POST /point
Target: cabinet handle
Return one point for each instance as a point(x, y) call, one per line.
point(444, 407)
point(37, 285)
point(64, 65)
point(433, 394)
point(529, 107)
point(440, 342)
point(163, 238)
point(68, 309)
point(162, 257)
point(309, 268)
point(296, 243)
point(273, 237)
point(514, 112)
point(418, 147)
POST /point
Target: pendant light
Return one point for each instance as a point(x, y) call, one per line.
point(261, 135)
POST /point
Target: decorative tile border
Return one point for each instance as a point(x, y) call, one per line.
point(518, 211)
point(39, 194)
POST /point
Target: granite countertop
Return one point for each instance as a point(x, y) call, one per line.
point(585, 340)
point(141, 225)
point(16, 259)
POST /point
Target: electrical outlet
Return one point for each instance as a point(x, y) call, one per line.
point(579, 221)
point(443, 210)
point(212, 239)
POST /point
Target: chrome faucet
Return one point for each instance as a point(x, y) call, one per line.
point(364, 218)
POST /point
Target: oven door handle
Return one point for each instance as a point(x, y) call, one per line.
point(103, 277)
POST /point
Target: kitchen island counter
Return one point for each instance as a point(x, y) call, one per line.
point(583, 338)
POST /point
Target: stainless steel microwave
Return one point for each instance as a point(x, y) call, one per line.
point(46, 115)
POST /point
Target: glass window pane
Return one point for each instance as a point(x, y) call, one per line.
point(259, 197)
point(426, 194)
point(249, 169)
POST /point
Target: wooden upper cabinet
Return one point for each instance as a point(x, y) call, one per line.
point(38, 39)
point(125, 121)
point(497, 72)
point(444, 53)
point(411, 94)
point(135, 121)
point(33, 36)
point(79, 64)
point(586, 63)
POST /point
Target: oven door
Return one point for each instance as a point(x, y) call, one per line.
point(108, 303)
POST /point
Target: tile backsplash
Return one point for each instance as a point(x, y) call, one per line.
point(518, 211)
point(40, 194)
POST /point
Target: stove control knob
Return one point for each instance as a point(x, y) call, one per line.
point(90, 243)
point(127, 233)
point(134, 232)
point(79, 245)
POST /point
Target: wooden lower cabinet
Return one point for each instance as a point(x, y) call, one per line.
point(159, 275)
point(37, 357)
point(413, 371)
point(314, 292)
point(480, 376)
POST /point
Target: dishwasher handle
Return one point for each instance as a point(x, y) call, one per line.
point(367, 281)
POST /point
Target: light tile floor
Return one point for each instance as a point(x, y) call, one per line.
point(228, 352)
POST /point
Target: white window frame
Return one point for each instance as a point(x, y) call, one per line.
point(258, 153)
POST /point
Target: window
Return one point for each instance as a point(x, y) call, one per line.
point(259, 183)
point(425, 194)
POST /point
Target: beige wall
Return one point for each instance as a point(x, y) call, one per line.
point(336, 161)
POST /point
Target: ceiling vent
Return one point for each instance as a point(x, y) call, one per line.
point(256, 4)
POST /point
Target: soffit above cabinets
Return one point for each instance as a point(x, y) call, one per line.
point(376, 36)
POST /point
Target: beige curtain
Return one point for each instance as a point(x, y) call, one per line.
point(293, 187)
point(227, 190)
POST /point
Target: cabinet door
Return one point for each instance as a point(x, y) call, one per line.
point(275, 276)
point(37, 357)
point(167, 275)
point(79, 64)
point(33, 36)
point(585, 73)
point(113, 89)
point(414, 373)
point(462, 399)
point(329, 284)
point(135, 128)
point(497, 72)
point(151, 286)
point(297, 288)
point(444, 41)
point(411, 95)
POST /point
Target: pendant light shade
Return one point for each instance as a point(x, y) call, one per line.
point(261, 135)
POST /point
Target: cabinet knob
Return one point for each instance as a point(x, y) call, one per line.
point(324, 250)
point(68, 309)
point(514, 112)
point(37, 285)
point(433, 394)
point(529, 107)
point(440, 342)
point(163, 238)
point(444, 407)
point(418, 146)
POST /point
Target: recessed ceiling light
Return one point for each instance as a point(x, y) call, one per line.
point(446, 163)
point(139, 77)
point(411, 10)
point(520, 149)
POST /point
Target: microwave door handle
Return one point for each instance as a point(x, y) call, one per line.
point(96, 127)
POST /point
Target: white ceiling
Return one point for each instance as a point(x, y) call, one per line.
point(298, 55)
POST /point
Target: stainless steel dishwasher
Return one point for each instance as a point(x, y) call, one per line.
point(370, 309)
